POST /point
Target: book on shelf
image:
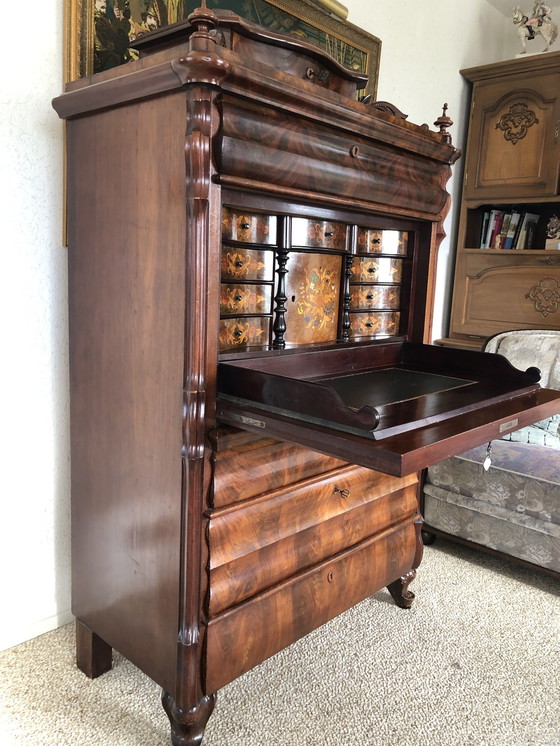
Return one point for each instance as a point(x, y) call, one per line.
point(512, 230)
point(527, 231)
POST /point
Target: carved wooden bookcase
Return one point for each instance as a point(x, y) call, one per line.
point(252, 256)
point(512, 164)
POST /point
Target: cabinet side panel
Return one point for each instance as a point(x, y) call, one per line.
point(126, 270)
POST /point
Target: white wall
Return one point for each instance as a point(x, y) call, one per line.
point(34, 473)
point(424, 46)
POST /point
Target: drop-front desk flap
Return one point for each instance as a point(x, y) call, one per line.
point(396, 407)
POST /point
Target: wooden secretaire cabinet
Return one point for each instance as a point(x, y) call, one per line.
point(504, 277)
point(251, 267)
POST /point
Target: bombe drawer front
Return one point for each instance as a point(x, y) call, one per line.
point(261, 542)
point(246, 465)
point(258, 628)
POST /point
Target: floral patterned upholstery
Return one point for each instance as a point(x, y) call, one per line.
point(514, 507)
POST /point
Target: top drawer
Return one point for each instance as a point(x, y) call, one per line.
point(248, 227)
point(375, 241)
point(323, 234)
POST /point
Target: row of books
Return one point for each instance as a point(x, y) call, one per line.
point(502, 229)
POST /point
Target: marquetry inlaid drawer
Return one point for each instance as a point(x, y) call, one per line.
point(247, 264)
point(375, 296)
point(251, 632)
point(376, 269)
point(373, 241)
point(248, 227)
point(319, 234)
point(373, 323)
point(245, 299)
point(244, 332)
point(261, 542)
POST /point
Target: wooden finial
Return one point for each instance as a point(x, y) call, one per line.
point(203, 19)
point(443, 122)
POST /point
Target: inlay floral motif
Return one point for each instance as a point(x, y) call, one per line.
point(241, 264)
point(317, 301)
point(241, 332)
point(516, 122)
point(545, 296)
point(243, 299)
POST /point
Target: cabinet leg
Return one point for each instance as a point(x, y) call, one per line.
point(187, 726)
point(93, 655)
point(399, 590)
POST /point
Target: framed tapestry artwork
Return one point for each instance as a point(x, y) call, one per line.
point(100, 34)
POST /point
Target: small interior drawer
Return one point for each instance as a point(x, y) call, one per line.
point(319, 234)
point(248, 227)
point(374, 323)
point(374, 241)
point(239, 263)
point(242, 298)
point(376, 269)
point(386, 297)
point(244, 332)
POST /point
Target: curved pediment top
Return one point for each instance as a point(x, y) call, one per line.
point(200, 21)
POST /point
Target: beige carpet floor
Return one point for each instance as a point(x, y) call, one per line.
point(475, 662)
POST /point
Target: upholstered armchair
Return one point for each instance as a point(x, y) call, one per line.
point(513, 508)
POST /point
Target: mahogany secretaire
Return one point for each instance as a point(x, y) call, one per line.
point(251, 263)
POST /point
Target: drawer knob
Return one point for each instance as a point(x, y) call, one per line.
point(239, 263)
point(238, 333)
point(245, 226)
point(237, 297)
point(372, 270)
point(329, 234)
point(369, 324)
point(343, 493)
point(369, 297)
point(377, 240)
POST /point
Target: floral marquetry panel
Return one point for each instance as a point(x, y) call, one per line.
point(375, 296)
point(373, 324)
point(247, 264)
point(313, 292)
point(373, 241)
point(248, 227)
point(376, 269)
point(245, 299)
point(319, 234)
point(244, 332)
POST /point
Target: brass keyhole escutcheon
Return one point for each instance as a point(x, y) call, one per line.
point(330, 576)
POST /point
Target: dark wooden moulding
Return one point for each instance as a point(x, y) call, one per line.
point(225, 502)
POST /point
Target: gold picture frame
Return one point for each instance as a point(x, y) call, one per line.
point(349, 44)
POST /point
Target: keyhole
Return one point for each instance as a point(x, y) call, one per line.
point(293, 298)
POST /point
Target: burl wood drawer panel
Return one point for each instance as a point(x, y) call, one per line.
point(374, 322)
point(248, 227)
point(319, 234)
point(373, 241)
point(262, 542)
point(245, 299)
point(253, 631)
point(375, 296)
point(376, 269)
point(246, 469)
point(244, 332)
point(239, 263)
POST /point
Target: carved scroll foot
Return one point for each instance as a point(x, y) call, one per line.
point(187, 726)
point(399, 590)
